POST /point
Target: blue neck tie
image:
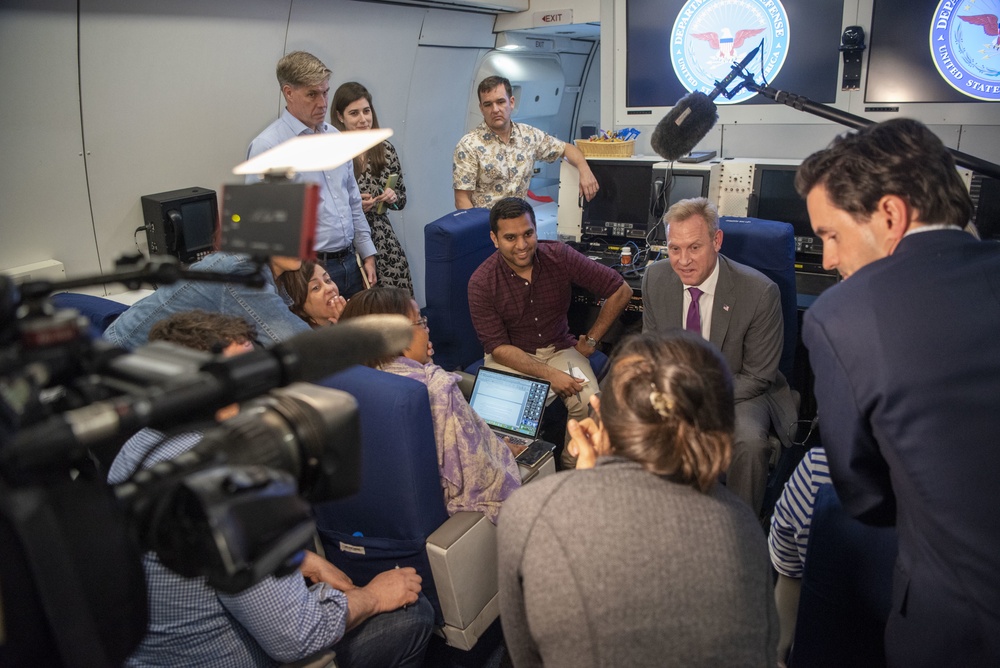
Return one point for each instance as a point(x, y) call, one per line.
point(694, 311)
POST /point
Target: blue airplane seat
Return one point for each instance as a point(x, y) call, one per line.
point(100, 311)
point(398, 517)
point(769, 247)
point(454, 247)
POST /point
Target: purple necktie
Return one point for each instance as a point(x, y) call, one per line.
point(694, 312)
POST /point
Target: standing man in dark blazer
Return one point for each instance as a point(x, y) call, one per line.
point(906, 354)
point(739, 310)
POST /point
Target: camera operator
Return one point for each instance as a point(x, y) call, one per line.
point(265, 307)
point(280, 619)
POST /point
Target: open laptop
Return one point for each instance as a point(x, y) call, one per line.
point(511, 404)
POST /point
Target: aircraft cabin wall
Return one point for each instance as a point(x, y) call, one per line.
point(149, 97)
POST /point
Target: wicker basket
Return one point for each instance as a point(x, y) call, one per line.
point(606, 149)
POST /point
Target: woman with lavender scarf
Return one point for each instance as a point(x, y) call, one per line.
point(477, 469)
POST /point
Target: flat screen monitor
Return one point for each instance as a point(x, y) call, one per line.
point(621, 208)
point(671, 186)
point(674, 46)
point(916, 47)
point(198, 223)
point(774, 197)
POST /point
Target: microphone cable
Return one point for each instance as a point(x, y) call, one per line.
point(658, 206)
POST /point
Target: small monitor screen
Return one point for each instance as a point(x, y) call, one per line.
point(675, 46)
point(181, 222)
point(686, 186)
point(199, 224)
point(621, 206)
point(679, 186)
point(776, 198)
point(915, 50)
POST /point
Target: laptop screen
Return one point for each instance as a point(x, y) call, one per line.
point(509, 402)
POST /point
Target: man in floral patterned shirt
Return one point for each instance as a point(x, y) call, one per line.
point(496, 159)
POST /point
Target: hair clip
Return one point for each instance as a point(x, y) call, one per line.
point(662, 403)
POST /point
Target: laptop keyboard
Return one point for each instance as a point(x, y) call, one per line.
point(516, 440)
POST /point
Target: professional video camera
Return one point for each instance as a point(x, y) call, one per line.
point(232, 509)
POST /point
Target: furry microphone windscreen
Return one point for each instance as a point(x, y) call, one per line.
point(686, 125)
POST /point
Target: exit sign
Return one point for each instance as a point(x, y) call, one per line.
point(555, 17)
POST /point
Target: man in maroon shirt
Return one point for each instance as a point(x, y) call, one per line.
point(519, 299)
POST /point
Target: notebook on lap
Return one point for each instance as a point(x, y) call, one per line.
point(511, 404)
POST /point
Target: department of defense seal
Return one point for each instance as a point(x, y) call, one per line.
point(965, 46)
point(709, 36)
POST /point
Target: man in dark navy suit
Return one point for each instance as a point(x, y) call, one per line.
point(906, 354)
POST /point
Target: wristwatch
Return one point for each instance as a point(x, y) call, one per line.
point(591, 341)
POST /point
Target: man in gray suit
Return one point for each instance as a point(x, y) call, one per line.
point(739, 310)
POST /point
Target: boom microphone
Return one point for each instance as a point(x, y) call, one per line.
point(686, 125)
point(309, 356)
point(693, 116)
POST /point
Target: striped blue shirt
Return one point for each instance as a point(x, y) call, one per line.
point(793, 514)
point(278, 620)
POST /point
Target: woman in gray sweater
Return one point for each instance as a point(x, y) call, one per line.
point(644, 559)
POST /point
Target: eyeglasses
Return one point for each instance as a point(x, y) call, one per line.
point(421, 322)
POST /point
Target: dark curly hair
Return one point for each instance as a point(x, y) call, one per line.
point(203, 330)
